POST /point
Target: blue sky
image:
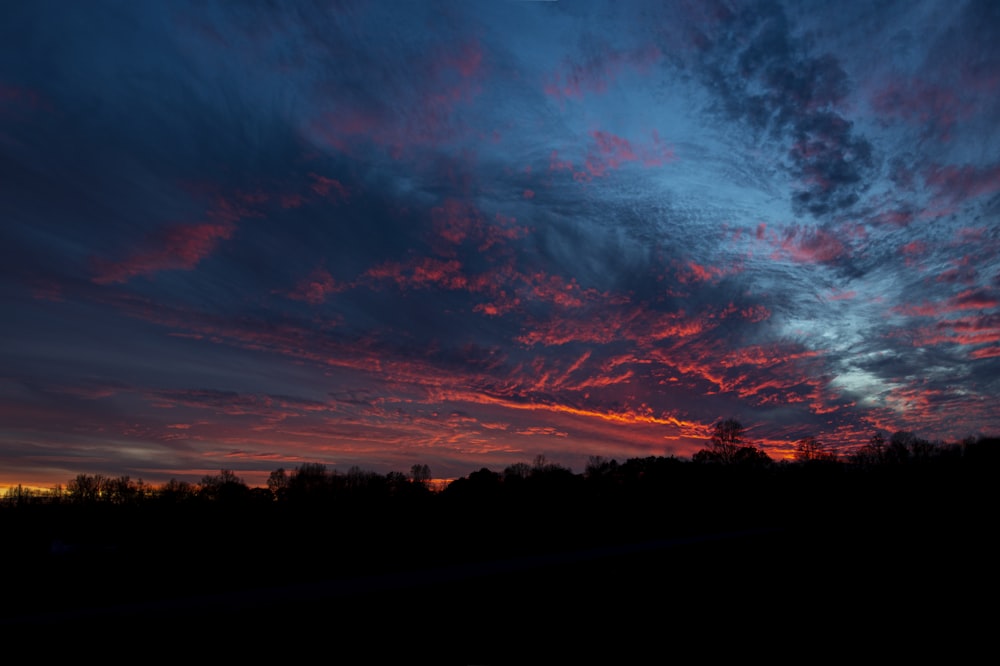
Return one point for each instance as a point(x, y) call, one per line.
point(252, 235)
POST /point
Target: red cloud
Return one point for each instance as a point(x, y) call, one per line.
point(765, 357)
point(779, 374)
point(610, 319)
point(422, 273)
point(912, 250)
point(458, 222)
point(805, 245)
point(970, 299)
point(556, 164)
point(506, 288)
point(541, 430)
point(955, 185)
point(573, 80)
point(434, 88)
point(609, 152)
point(898, 218)
point(694, 273)
point(316, 287)
point(835, 295)
point(971, 331)
point(922, 103)
point(499, 306)
point(323, 186)
point(559, 291)
point(975, 299)
point(559, 388)
point(180, 247)
point(987, 352)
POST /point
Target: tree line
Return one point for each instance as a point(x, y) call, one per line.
point(894, 498)
point(728, 447)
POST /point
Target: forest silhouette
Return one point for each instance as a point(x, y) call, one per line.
point(728, 543)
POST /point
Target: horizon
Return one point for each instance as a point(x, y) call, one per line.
point(464, 234)
point(259, 479)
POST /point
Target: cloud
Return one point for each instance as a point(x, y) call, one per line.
point(316, 288)
point(468, 233)
point(431, 84)
point(598, 71)
point(811, 245)
point(764, 76)
point(933, 108)
point(958, 184)
point(180, 247)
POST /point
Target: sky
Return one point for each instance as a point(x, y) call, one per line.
point(467, 233)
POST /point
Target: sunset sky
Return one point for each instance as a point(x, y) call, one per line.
point(252, 235)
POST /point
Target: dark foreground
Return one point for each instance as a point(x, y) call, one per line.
point(804, 567)
point(753, 591)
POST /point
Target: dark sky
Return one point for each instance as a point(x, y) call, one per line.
point(251, 235)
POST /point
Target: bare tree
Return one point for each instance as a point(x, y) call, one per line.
point(224, 486)
point(871, 454)
point(19, 495)
point(277, 483)
point(84, 488)
point(420, 474)
point(727, 440)
point(309, 482)
point(728, 446)
point(810, 449)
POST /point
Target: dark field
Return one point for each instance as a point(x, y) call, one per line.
point(740, 567)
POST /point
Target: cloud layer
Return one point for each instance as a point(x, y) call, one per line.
point(463, 234)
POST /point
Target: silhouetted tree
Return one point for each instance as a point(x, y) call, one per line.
point(897, 451)
point(482, 484)
point(175, 492)
point(277, 483)
point(309, 482)
point(539, 461)
point(871, 454)
point(751, 456)
point(543, 469)
point(810, 449)
point(922, 450)
point(982, 451)
point(121, 490)
point(421, 474)
point(356, 478)
point(727, 446)
point(726, 440)
point(224, 486)
point(904, 446)
point(600, 470)
point(18, 496)
point(399, 485)
point(516, 472)
point(84, 488)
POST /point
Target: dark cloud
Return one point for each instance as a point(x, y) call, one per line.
point(772, 80)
